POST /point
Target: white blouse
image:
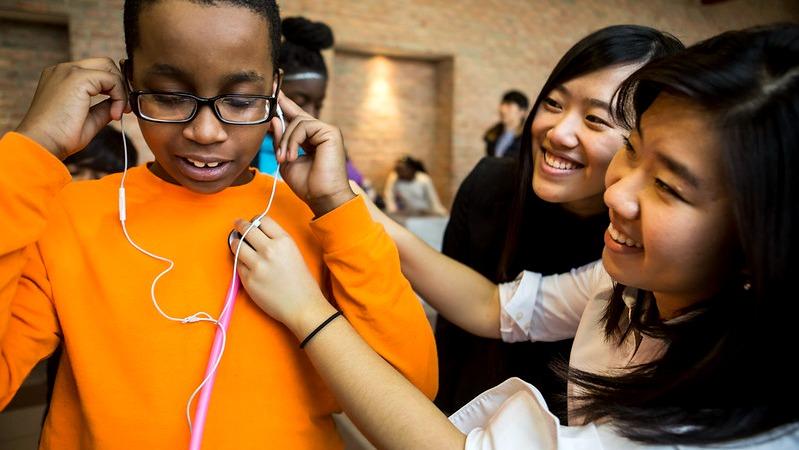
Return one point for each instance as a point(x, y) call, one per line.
point(515, 416)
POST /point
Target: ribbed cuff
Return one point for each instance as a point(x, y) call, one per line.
point(343, 227)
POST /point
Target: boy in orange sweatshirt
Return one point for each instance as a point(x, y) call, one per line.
point(69, 275)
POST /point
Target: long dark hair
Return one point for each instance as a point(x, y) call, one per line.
point(610, 46)
point(726, 373)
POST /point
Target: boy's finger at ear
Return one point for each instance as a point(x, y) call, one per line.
point(294, 137)
point(104, 64)
point(277, 132)
point(118, 108)
point(285, 136)
point(99, 116)
point(105, 83)
point(290, 109)
point(299, 136)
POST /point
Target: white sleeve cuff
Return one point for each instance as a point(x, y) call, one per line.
point(517, 301)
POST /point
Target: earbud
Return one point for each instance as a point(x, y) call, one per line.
point(282, 119)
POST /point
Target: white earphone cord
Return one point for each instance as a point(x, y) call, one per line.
point(200, 316)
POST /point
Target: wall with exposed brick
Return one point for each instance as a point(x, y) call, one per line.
point(389, 107)
point(88, 28)
point(24, 48)
point(477, 49)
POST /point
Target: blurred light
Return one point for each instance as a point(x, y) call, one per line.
point(380, 108)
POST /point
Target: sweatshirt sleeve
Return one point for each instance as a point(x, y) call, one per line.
point(369, 288)
point(30, 179)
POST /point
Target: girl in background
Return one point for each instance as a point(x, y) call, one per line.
point(304, 74)
point(409, 190)
point(305, 82)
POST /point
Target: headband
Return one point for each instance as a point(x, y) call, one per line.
point(304, 76)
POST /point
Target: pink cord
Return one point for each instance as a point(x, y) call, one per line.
point(201, 412)
point(198, 424)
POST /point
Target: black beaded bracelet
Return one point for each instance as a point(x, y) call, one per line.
point(319, 328)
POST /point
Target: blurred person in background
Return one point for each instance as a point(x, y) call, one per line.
point(104, 155)
point(409, 191)
point(505, 137)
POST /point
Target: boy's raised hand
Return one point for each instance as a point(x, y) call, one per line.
point(319, 177)
point(61, 117)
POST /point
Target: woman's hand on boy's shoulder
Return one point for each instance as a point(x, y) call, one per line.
point(320, 177)
point(61, 117)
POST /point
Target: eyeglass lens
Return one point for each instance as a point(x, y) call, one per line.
point(176, 107)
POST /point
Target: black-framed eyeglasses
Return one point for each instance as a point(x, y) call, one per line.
point(182, 107)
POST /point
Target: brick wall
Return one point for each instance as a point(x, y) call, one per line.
point(387, 107)
point(492, 45)
point(48, 32)
point(24, 48)
point(33, 34)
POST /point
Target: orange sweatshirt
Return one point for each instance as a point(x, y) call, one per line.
point(68, 275)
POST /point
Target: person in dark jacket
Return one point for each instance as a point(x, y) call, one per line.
point(504, 138)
